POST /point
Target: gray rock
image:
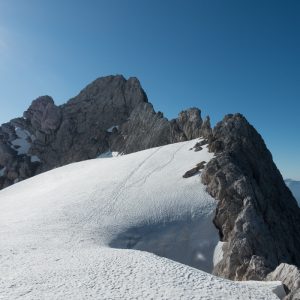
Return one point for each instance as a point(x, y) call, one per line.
point(144, 129)
point(206, 130)
point(111, 113)
point(43, 115)
point(294, 295)
point(191, 172)
point(197, 147)
point(82, 133)
point(7, 154)
point(194, 170)
point(289, 275)
point(256, 213)
point(190, 122)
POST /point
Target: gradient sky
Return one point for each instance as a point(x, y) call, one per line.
point(221, 56)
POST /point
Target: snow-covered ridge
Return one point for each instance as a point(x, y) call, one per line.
point(58, 229)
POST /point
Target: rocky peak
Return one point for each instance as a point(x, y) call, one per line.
point(252, 198)
point(113, 91)
point(206, 129)
point(110, 114)
point(43, 115)
point(189, 122)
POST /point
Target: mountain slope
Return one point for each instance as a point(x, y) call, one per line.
point(57, 229)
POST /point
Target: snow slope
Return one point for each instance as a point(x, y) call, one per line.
point(59, 231)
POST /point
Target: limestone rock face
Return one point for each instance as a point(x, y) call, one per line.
point(43, 115)
point(206, 130)
point(256, 216)
point(143, 129)
point(289, 275)
point(110, 114)
point(190, 122)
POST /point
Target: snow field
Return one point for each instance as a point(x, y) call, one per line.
point(58, 229)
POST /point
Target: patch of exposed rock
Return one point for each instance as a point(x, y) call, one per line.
point(257, 217)
point(289, 275)
point(110, 114)
point(194, 170)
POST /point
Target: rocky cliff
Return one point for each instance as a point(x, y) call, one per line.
point(257, 217)
point(111, 114)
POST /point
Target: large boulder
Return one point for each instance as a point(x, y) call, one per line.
point(144, 129)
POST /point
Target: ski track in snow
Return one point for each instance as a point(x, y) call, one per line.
point(143, 179)
point(56, 230)
point(107, 208)
point(110, 205)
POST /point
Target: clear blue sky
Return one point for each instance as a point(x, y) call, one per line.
point(221, 56)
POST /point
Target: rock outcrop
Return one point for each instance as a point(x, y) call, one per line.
point(257, 217)
point(289, 275)
point(110, 114)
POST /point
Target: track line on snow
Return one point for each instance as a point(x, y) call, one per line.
point(110, 205)
point(159, 168)
point(107, 208)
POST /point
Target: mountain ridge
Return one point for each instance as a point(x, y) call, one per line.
point(79, 129)
point(257, 216)
point(94, 223)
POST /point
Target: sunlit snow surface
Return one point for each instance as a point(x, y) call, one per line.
point(58, 229)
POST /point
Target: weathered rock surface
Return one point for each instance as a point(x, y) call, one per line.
point(110, 114)
point(289, 275)
point(194, 170)
point(43, 115)
point(256, 216)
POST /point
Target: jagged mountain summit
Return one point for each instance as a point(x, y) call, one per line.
point(111, 114)
point(254, 213)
